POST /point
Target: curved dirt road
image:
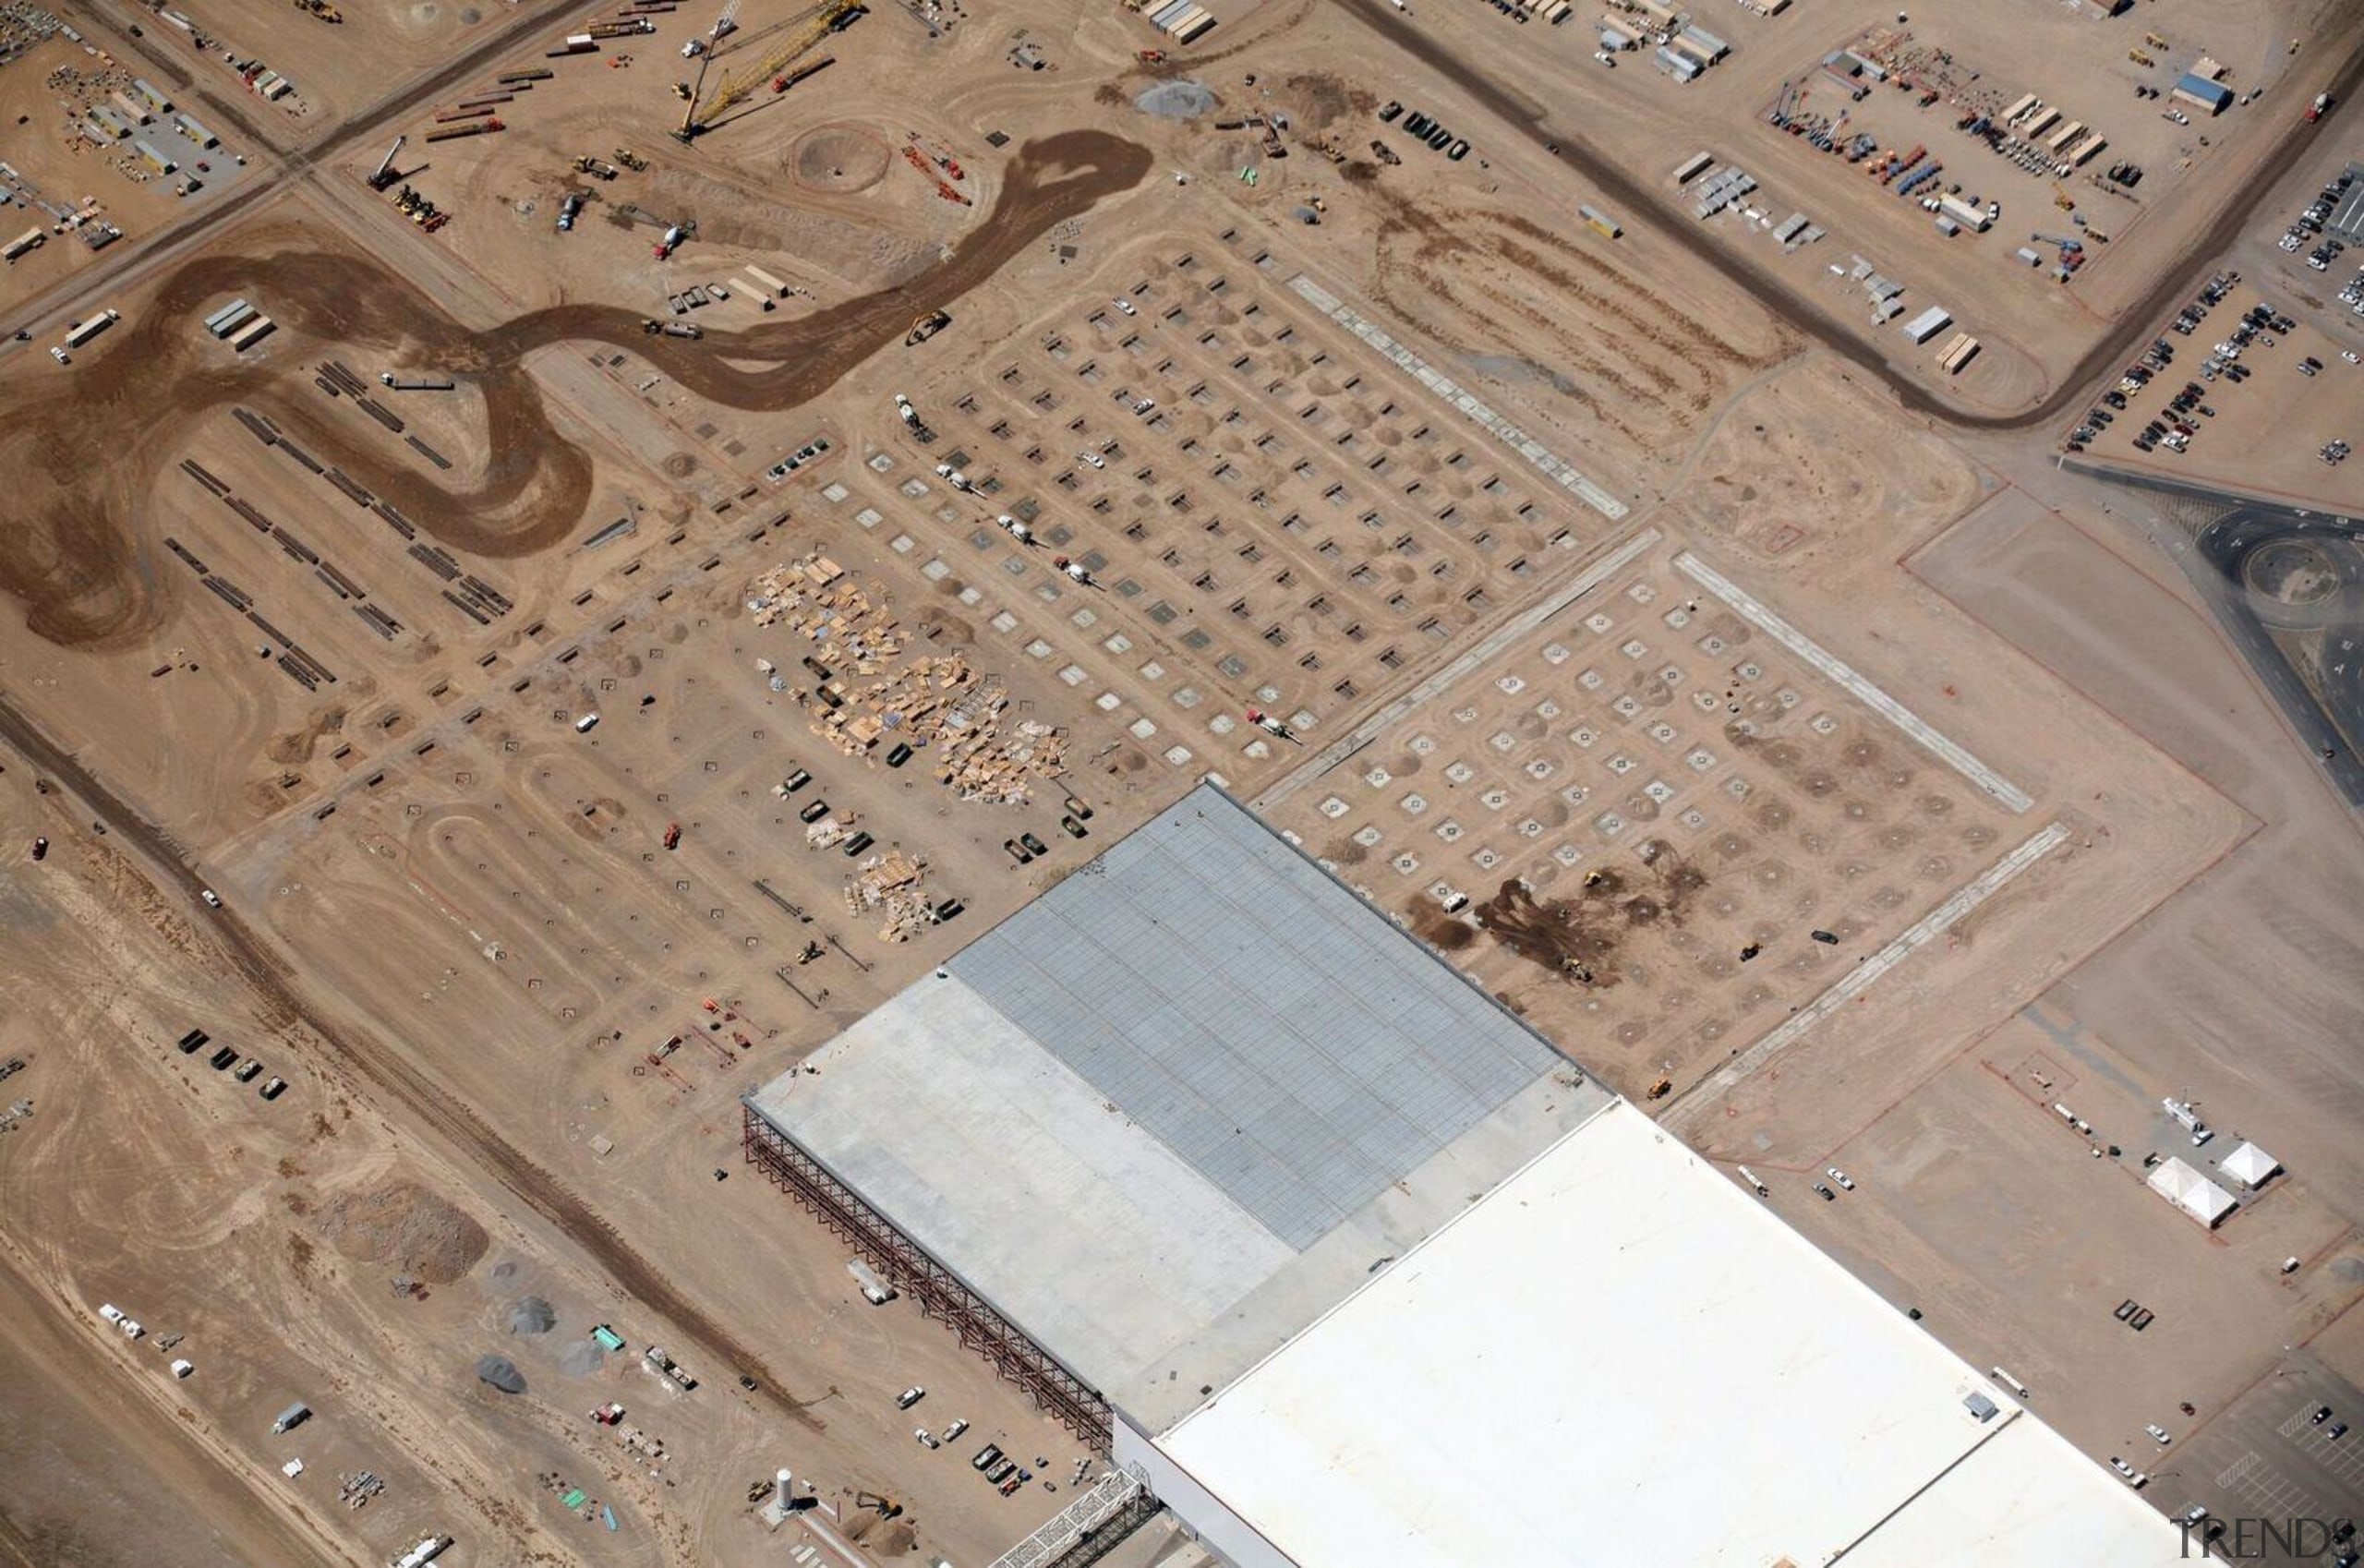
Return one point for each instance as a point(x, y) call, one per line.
point(75, 568)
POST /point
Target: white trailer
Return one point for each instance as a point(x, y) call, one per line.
point(83, 331)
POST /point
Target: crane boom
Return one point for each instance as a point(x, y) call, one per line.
point(735, 87)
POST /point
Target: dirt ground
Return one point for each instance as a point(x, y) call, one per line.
point(1620, 634)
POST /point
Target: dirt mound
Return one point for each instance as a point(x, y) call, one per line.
point(838, 158)
point(532, 1315)
point(500, 1372)
point(1176, 101)
point(404, 1224)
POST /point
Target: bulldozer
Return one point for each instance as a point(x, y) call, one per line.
point(631, 160)
point(926, 327)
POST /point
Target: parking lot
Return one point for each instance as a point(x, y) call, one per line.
point(2267, 1462)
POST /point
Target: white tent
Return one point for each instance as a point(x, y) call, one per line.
point(2250, 1165)
point(2191, 1192)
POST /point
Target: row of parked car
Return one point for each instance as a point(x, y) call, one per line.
point(2310, 225)
point(1425, 128)
point(226, 1060)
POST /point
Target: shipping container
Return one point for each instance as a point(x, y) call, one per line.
point(1691, 168)
point(1607, 226)
point(253, 332)
point(31, 239)
point(229, 315)
point(2026, 102)
point(766, 283)
point(1964, 349)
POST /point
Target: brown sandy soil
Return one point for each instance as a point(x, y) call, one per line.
point(2268, 429)
point(298, 1213)
point(78, 576)
point(1638, 118)
point(451, 922)
point(62, 163)
point(1976, 1203)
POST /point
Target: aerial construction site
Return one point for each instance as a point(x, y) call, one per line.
point(724, 725)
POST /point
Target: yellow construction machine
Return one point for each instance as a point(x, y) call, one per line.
point(805, 30)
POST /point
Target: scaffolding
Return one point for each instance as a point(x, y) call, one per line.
point(942, 1295)
point(1095, 1524)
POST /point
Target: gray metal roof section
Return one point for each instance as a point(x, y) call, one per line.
point(1250, 1011)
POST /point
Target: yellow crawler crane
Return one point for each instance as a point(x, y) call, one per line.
point(806, 32)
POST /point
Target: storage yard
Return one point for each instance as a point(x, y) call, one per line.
point(746, 741)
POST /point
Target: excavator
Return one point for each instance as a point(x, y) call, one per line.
point(926, 327)
point(321, 9)
point(810, 27)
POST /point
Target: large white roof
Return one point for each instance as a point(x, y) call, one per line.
point(1620, 1358)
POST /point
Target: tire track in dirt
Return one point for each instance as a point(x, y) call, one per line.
point(374, 1062)
point(76, 563)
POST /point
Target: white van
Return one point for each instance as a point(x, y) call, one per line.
point(585, 724)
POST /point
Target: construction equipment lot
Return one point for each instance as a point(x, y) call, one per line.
point(528, 686)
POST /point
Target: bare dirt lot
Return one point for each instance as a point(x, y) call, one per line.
point(574, 745)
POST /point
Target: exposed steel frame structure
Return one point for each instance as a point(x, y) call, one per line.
point(941, 1294)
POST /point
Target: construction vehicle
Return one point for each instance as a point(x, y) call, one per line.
point(672, 242)
point(816, 24)
point(2154, 41)
point(884, 1507)
point(2321, 107)
point(1384, 153)
point(2140, 58)
point(672, 329)
point(586, 165)
point(321, 9)
point(672, 836)
point(631, 160)
point(926, 327)
point(383, 174)
point(918, 160)
point(1152, 56)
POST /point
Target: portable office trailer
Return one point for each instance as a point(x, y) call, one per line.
point(197, 133)
point(1928, 324)
point(31, 239)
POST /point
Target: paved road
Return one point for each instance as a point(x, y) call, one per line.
point(2216, 562)
point(2181, 278)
